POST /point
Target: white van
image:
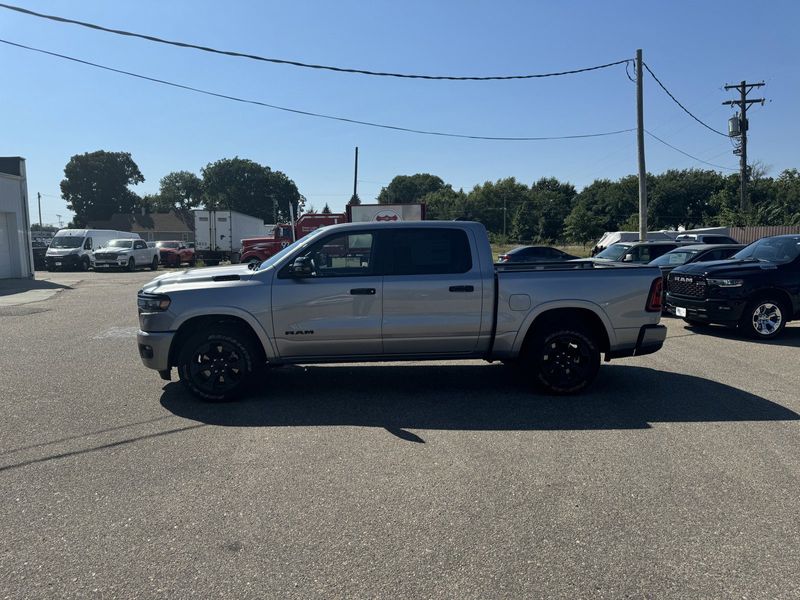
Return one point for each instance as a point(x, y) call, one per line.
point(74, 248)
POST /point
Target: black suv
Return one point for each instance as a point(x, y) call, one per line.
point(757, 289)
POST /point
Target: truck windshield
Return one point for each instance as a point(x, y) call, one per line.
point(67, 241)
point(614, 252)
point(779, 250)
point(120, 244)
point(167, 245)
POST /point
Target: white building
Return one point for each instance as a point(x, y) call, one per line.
point(16, 256)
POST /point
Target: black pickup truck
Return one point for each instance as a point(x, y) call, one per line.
point(757, 289)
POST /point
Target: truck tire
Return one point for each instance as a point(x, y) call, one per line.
point(154, 264)
point(84, 266)
point(764, 318)
point(565, 360)
point(217, 364)
point(131, 265)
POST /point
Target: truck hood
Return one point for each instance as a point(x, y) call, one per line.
point(725, 267)
point(193, 277)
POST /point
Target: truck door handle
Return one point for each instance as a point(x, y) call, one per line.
point(362, 292)
point(462, 288)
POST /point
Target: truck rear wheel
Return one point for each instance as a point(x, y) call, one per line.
point(154, 264)
point(565, 360)
point(217, 364)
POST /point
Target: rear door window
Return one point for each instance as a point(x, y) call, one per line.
point(428, 252)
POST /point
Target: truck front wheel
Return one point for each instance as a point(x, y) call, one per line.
point(565, 361)
point(763, 319)
point(218, 363)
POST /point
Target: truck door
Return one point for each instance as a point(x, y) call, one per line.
point(336, 309)
point(140, 252)
point(432, 292)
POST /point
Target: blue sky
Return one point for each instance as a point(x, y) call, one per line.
point(53, 109)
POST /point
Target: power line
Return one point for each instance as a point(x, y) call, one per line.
point(686, 153)
point(686, 110)
point(313, 114)
point(294, 63)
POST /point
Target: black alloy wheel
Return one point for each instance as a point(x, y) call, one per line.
point(131, 265)
point(216, 365)
point(154, 264)
point(565, 360)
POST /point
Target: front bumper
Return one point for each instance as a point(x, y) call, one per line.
point(111, 263)
point(68, 261)
point(726, 311)
point(154, 348)
point(650, 339)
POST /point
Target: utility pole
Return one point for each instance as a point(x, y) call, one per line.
point(640, 147)
point(39, 196)
point(60, 223)
point(741, 131)
point(355, 176)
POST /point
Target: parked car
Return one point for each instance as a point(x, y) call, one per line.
point(756, 290)
point(705, 238)
point(534, 254)
point(126, 253)
point(39, 248)
point(636, 252)
point(694, 253)
point(396, 291)
point(174, 253)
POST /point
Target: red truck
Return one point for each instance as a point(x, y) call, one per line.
point(258, 249)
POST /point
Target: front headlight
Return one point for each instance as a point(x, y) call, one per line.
point(153, 302)
point(726, 283)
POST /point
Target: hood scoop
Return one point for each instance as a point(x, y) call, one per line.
point(226, 278)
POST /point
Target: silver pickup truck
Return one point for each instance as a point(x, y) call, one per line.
point(395, 291)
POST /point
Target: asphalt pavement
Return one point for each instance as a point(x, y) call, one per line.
point(676, 476)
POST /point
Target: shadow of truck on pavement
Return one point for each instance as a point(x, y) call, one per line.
point(479, 397)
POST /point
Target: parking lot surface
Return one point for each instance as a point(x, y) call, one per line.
point(676, 476)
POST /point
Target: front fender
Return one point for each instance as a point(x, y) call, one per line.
point(232, 311)
point(540, 309)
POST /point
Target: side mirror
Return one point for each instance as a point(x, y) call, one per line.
point(628, 258)
point(302, 266)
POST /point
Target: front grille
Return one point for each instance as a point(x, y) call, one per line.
point(686, 285)
point(105, 256)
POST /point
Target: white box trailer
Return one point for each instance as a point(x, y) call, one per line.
point(218, 234)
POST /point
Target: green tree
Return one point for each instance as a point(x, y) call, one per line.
point(326, 210)
point(491, 202)
point(409, 189)
point(180, 190)
point(354, 200)
point(95, 185)
point(525, 223)
point(582, 226)
point(246, 186)
point(446, 204)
